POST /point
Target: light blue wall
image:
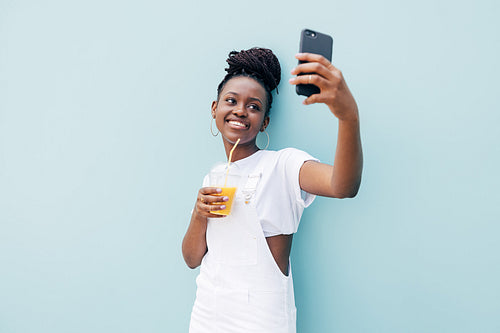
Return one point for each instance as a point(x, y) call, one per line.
point(104, 139)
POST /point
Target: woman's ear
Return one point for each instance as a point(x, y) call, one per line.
point(214, 107)
point(265, 123)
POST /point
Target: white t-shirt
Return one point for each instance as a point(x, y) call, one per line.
point(279, 200)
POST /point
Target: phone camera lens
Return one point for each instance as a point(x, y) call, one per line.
point(310, 33)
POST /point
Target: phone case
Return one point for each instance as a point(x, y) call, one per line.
point(313, 42)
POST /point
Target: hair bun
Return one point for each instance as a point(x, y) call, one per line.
point(256, 61)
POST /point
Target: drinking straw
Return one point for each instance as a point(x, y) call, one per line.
point(229, 160)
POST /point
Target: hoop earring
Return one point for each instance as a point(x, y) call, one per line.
point(211, 130)
point(267, 139)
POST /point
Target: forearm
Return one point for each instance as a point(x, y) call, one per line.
point(348, 164)
point(342, 180)
point(194, 244)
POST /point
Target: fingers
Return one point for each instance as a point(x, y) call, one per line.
point(317, 64)
point(211, 195)
point(315, 98)
point(208, 200)
point(313, 67)
point(312, 57)
point(209, 191)
point(315, 79)
point(317, 70)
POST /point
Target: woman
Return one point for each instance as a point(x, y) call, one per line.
point(245, 282)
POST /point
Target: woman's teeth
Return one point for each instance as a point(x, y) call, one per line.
point(237, 123)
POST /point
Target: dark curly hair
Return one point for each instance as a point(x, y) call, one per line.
point(258, 63)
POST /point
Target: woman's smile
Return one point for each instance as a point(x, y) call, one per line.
point(237, 124)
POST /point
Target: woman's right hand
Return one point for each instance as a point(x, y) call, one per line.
point(194, 244)
point(208, 200)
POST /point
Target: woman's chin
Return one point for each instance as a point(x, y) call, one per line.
point(232, 138)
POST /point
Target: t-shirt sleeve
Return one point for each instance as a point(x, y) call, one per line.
point(295, 158)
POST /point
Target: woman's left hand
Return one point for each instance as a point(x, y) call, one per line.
point(333, 88)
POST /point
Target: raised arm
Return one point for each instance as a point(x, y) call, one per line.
point(343, 178)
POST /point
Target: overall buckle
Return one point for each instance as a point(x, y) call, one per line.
point(251, 186)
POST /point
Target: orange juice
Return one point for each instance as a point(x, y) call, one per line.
point(226, 192)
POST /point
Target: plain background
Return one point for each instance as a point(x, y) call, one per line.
point(104, 141)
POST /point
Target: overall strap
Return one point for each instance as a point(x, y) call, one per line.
point(252, 181)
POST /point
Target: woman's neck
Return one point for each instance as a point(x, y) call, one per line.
point(242, 150)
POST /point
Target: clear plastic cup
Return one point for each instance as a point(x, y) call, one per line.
point(228, 187)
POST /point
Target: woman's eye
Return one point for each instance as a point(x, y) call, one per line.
point(230, 100)
point(255, 107)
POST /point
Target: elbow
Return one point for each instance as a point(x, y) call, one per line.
point(192, 255)
point(192, 265)
point(344, 190)
point(192, 258)
point(192, 262)
point(353, 193)
point(345, 196)
point(348, 193)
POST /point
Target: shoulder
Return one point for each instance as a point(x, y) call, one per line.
point(290, 151)
point(284, 153)
point(287, 160)
point(294, 155)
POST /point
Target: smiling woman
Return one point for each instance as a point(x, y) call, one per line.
point(245, 281)
point(240, 113)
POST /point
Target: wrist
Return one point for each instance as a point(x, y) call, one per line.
point(347, 114)
point(199, 218)
point(352, 118)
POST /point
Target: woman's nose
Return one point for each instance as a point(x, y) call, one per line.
point(239, 110)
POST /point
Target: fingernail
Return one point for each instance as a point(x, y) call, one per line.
point(223, 207)
point(225, 199)
point(291, 80)
point(219, 190)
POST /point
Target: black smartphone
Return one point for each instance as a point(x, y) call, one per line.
point(313, 42)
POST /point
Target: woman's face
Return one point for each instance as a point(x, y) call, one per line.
point(240, 111)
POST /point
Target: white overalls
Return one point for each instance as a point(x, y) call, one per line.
point(240, 287)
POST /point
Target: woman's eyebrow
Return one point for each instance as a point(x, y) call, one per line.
point(256, 99)
point(235, 93)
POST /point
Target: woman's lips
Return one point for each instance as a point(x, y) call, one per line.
point(237, 124)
